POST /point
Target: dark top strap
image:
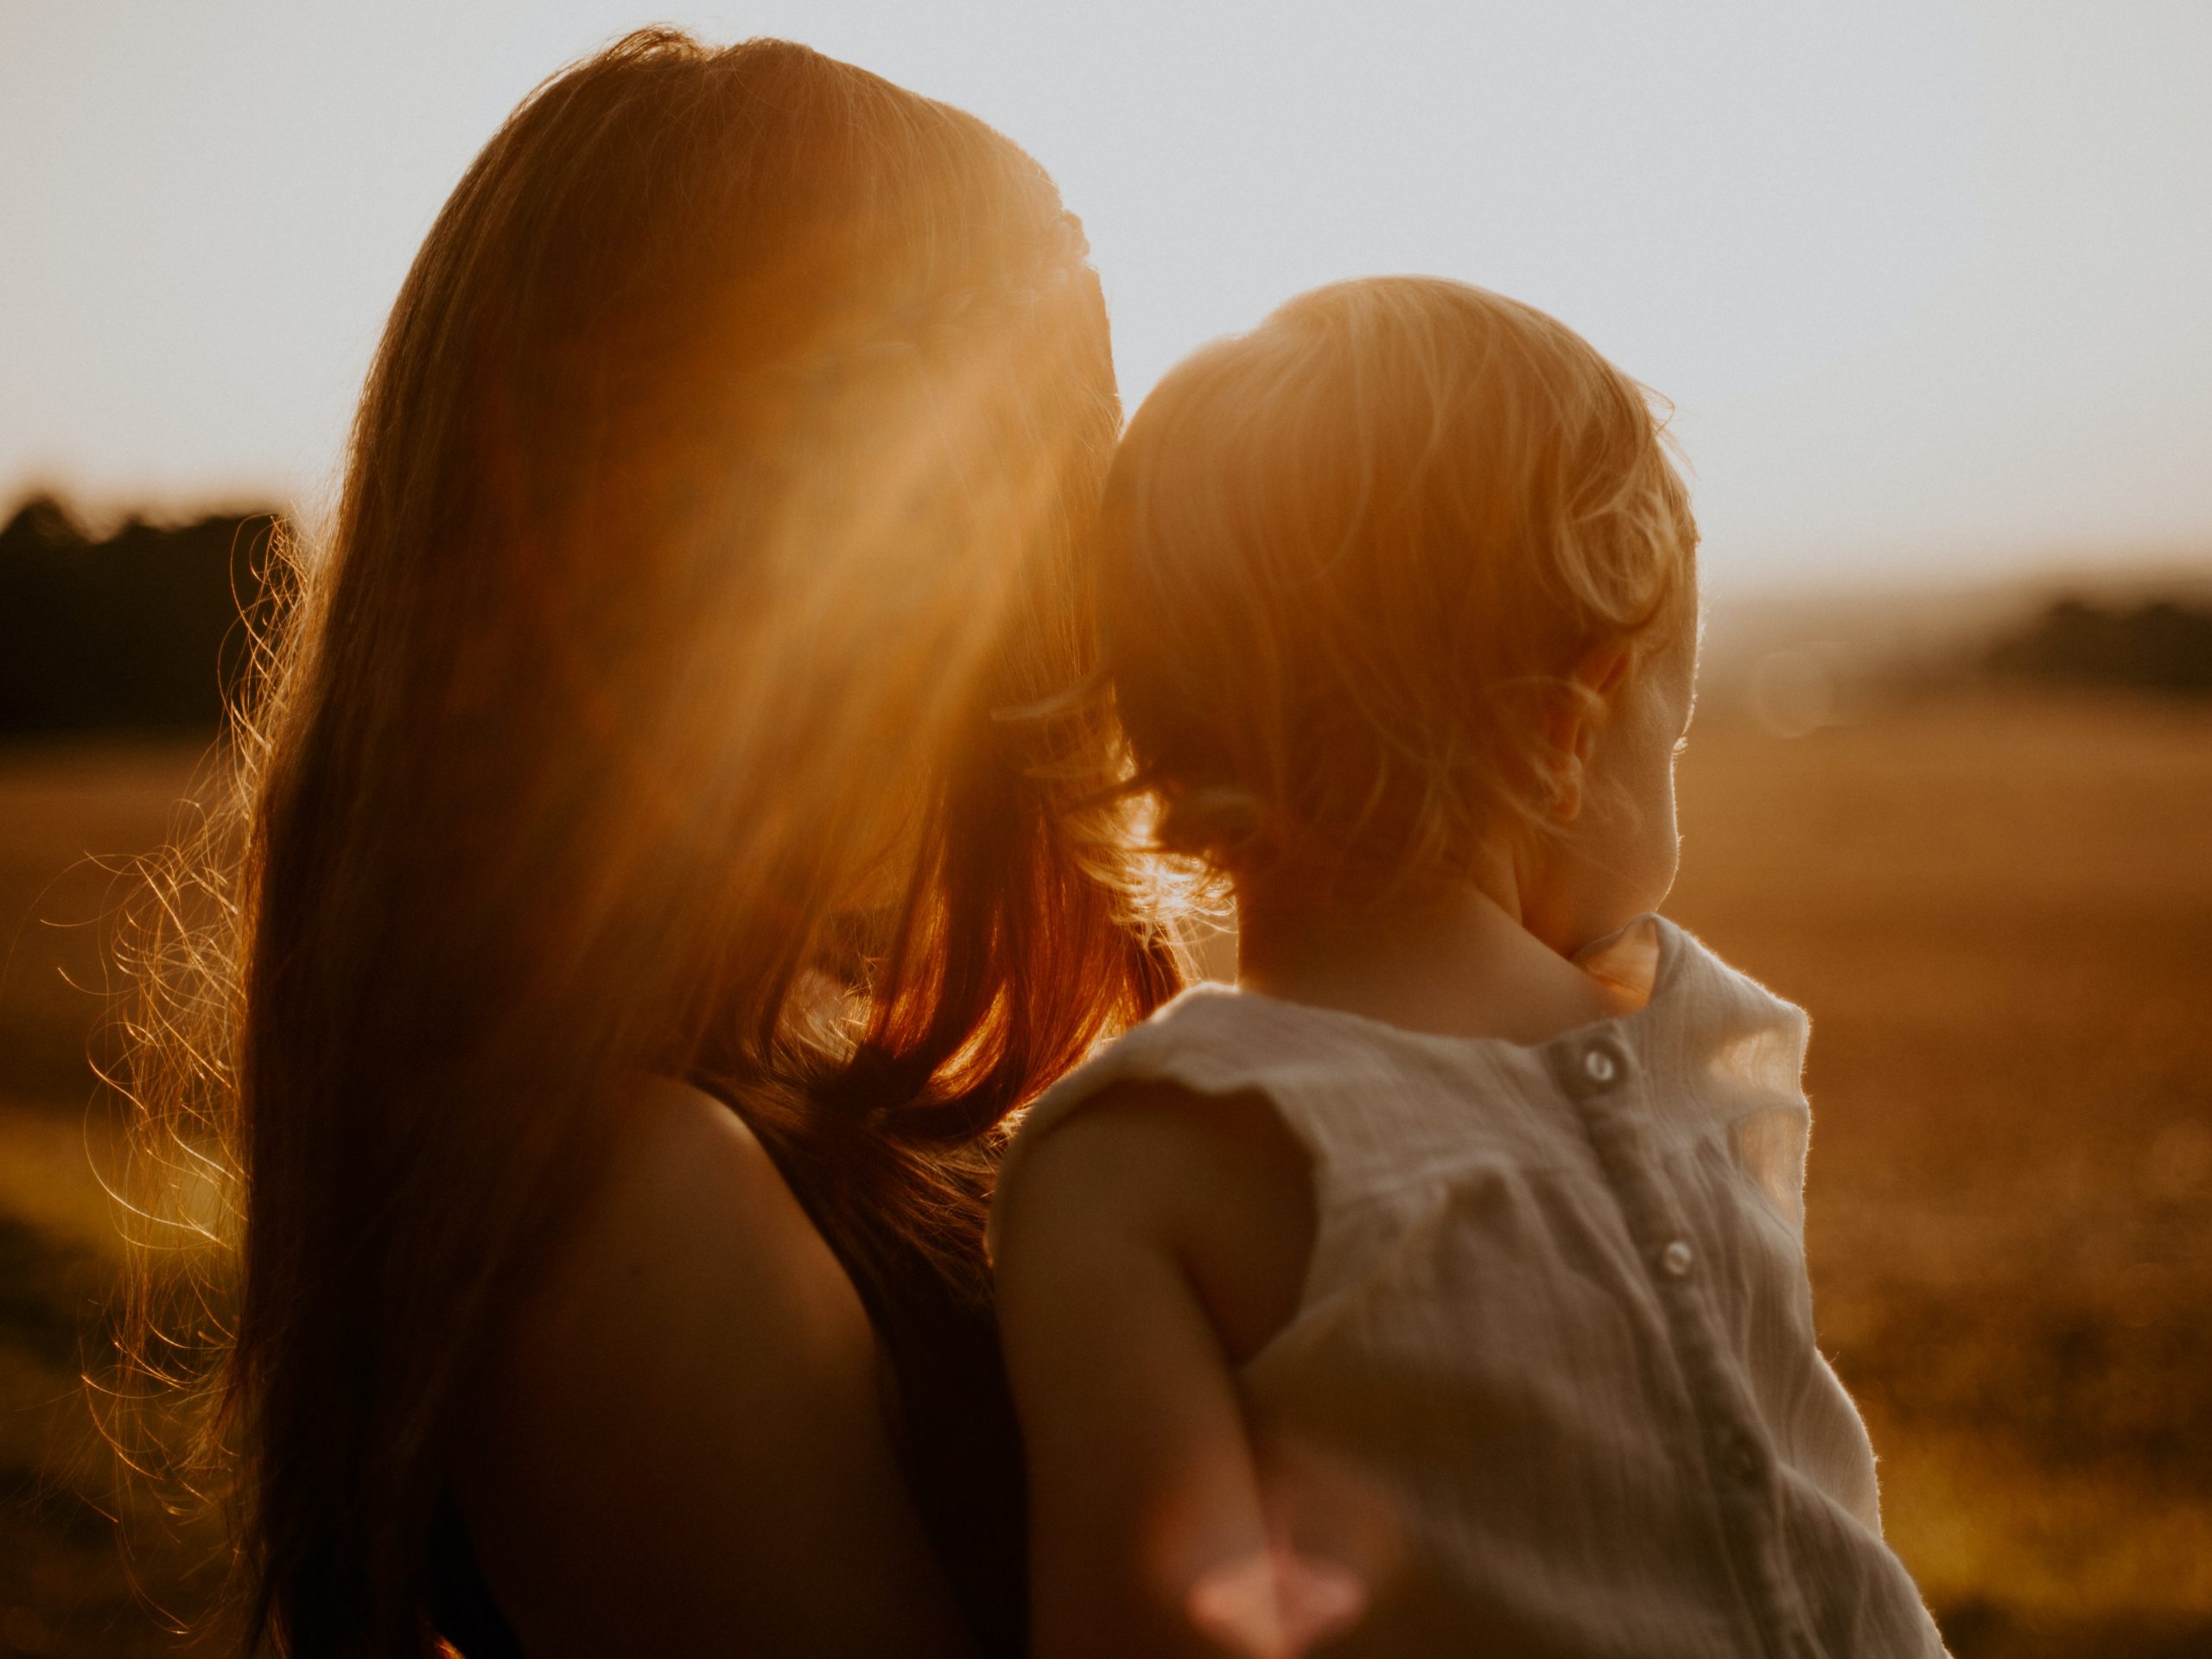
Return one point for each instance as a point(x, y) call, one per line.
point(961, 1450)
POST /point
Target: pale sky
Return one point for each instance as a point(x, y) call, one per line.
point(1930, 280)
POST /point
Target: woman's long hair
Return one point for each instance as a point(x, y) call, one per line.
point(676, 692)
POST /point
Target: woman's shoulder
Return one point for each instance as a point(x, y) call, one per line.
point(692, 1382)
point(691, 1215)
point(688, 1169)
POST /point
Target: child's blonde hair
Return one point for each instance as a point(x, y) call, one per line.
point(1349, 560)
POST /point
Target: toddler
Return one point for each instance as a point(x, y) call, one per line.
point(1440, 1289)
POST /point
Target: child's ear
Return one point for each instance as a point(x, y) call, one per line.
point(1573, 727)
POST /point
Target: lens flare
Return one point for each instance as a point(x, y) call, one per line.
point(1277, 1603)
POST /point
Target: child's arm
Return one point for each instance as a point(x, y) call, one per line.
point(1142, 1244)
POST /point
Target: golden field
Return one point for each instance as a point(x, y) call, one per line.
point(1999, 912)
point(1999, 915)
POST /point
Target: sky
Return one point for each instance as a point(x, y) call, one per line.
point(1929, 282)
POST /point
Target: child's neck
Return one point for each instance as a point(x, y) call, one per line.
point(1455, 960)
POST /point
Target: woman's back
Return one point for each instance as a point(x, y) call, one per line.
point(698, 1367)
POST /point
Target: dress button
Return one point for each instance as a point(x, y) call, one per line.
point(1600, 1067)
point(1743, 1459)
point(1676, 1258)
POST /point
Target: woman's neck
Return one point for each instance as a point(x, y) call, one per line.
point(1450, 959)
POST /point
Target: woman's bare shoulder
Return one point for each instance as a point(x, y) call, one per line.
point(692, 1228)
point(690, 1174)
point(681, 1438)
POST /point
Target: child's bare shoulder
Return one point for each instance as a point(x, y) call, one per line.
point(1143, 1142)
point(1218, 1183)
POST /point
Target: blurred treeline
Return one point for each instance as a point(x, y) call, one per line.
point(141, 631)
point(2159, 646)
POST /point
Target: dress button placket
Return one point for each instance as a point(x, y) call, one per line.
point(1595, 1074)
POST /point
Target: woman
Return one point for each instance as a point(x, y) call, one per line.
point(660, 867)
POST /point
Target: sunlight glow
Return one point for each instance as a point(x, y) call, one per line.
point(1868, 250)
